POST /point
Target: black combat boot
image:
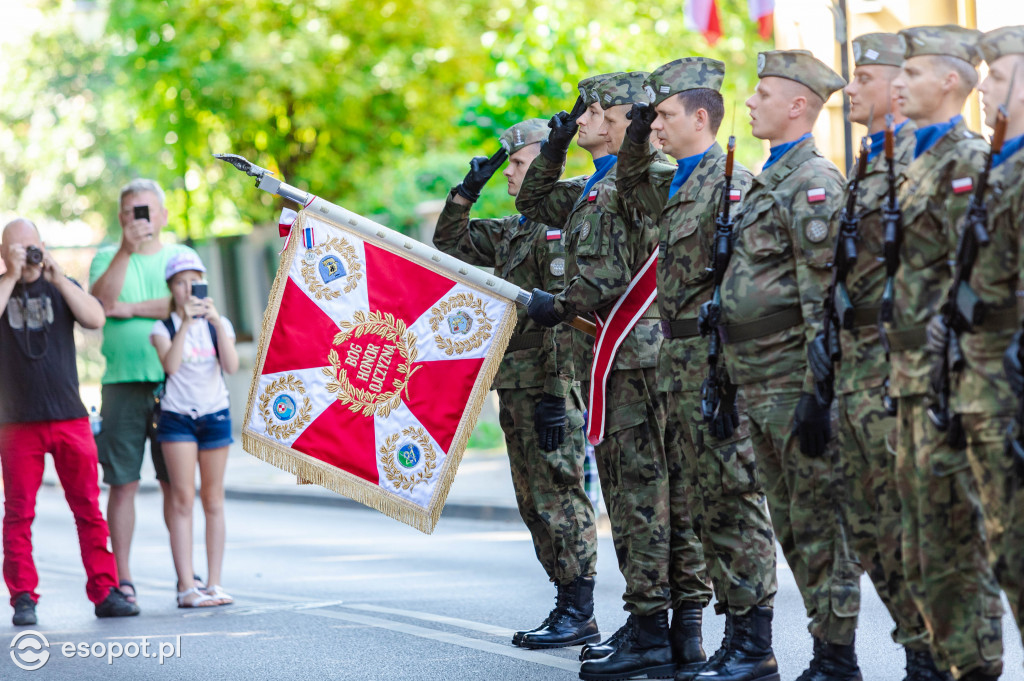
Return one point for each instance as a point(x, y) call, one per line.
point(560, 595)
point(690, 675)
point(686, 636)
point(832, 662)
point(645, 650)
point(921, 667)
point(605, 648)
point(979, 675)
point(748, 655)
point(571, 624)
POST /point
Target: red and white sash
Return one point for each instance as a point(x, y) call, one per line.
point(626, 312)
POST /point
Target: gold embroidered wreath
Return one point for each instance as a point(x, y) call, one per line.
point(483, 324)
point(359, 400)
point(346, 252)
point(396, 477)
point(283, 431)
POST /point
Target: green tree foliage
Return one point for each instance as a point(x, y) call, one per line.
point(377, 106)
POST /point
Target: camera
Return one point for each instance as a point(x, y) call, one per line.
point(33, 255)
point(199, 289)
point(142, 212)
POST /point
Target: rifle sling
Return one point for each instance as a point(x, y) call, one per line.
point(866, 315)
point(525, 341)
point(680, 328)
point(765, 326)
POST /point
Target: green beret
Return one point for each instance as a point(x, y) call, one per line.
point(588, 86)
point(878, 48)
point(688, 73)
point(622, 88)
point(943, 41)
point(523, 134)
point(1001, 42)
point(802, 67)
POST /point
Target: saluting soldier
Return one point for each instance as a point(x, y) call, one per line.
point(540, 406)
point(610, 273)
point(944, 547)
point(712, 471)
point(871, 503)
point(772, 303)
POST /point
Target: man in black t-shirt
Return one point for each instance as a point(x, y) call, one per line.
point(40, 412)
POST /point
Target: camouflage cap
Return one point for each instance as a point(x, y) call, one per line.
point(1001, 42)
point(802, 67)
point(878, 48)
point(688, 73)
point(523, 134)
point(622, 88)
point(949, 40)
point(588, 86)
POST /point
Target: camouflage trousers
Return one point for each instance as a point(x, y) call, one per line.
point(871, 508)
point(549, 486)
point(717, 494)
point(1001, 500)
point(635, 485)
point(803, 499)
point(944, 545)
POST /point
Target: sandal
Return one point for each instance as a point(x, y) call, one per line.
point(201, 600)
point(199, 583)
point(220, 594)
point(130, 597)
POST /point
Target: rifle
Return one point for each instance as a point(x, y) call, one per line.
point(838, 306)
point(963, 309)
point(710, 394)
point(892, 224)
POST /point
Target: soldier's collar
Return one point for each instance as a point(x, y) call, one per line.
point(793, 159)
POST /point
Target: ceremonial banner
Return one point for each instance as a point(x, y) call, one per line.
point(373, 366)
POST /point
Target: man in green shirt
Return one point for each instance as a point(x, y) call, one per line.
point(129, 280)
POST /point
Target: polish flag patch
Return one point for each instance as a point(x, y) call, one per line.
point(592, 196)
point(553, 234)
point(963, 185)
point(735, 195)
point(816, 195)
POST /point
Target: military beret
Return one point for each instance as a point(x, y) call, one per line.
point(1001, 42)
point(523, 134)
point(942, 41)
point(688, 73)
point(802, 67)
point(878, 48)
point(588, 86)
point(622, 88)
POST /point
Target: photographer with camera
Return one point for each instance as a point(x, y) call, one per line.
point(40, 412)
point(129, 280)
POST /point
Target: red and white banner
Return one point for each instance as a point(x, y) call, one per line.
point(702, 15)
point(373, 366)
point(611, 332)
point(763, 12)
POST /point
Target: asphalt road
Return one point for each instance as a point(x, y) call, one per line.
point(334, 593)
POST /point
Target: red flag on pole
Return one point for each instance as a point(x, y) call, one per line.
point(702, 15)
point(762, 11)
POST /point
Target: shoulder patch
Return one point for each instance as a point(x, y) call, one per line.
point(592, 196)
point(557, 267)
point(816, 195)
point(553, 234)
point(962, 185)
point(735, 195)
point(816, 231)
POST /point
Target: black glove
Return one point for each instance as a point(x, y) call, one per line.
point(727, 420)
point(1011, 363)
point(549, 421)
point(481, 169)
point(813, 424)
point(937, 334)
point(704, 319)
point(541, 309)
point(640, 118)
point(819, 359)
point(563, 130)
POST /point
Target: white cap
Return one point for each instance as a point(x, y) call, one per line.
point(183, 261)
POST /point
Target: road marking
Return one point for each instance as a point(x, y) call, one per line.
point(431, 617)
point(352, 558)
point(453, 639)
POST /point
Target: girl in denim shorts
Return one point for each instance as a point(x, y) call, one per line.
point(195, 424)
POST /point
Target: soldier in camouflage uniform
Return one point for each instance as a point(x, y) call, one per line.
point(772, 306)
point(944, 547)
point(871, 503)
point(712, 471)
point(540, 408)
point(606, 248)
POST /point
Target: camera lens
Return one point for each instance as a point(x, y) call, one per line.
point(33, 255)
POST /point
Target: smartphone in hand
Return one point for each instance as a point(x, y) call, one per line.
point(199, 290)
point(142, 213)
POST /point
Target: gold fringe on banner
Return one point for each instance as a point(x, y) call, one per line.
point(309, 470)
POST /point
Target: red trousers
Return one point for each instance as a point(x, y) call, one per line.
point(22, 448)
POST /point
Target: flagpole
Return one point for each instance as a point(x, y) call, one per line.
point(266, 181)
point(842, 39)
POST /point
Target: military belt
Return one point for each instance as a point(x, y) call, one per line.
point(999, 320)
point(866, 315)
point(524, 341)
point(680, 328)
point(913, 338)
point(765, 326)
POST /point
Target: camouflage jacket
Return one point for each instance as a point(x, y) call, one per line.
point(605, 246)
point(931, 214)
point(781, 261)
point(996, 278)
point(864, 365)
point(520, 252)
point(686, 229)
